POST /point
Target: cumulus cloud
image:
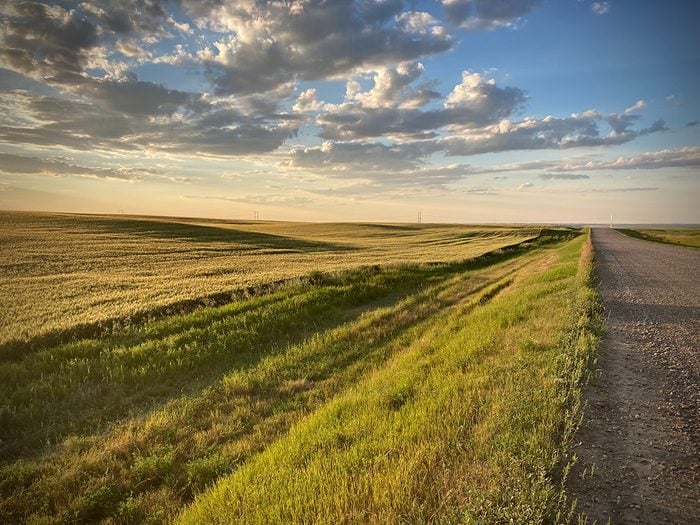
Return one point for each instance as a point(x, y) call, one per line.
point(351, 158)
point(600, 8)
point(56, 44)
point(178, 123)
point(255, 53)
point(487, 14)
point(388, 108)
point(409, 159)
point(48, 40)
point(279, 42)
point(307, 101)
point(392, 88)
point(577, 130)
point(87, 51)
point(687, 157)
point(133, 97)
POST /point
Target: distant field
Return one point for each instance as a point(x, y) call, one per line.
point(60, 273)
point(683, 237)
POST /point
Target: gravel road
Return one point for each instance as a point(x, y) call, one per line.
point(641, 428)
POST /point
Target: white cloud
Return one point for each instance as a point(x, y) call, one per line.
point(178, 56)
point(640, 104)
point(577, 130)
point(280, 42)
point(687, 157)
point(391, 107)
point(600, 8)
point(307, 101)
point(391, 88)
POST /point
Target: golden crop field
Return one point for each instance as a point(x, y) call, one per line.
point(58, 272)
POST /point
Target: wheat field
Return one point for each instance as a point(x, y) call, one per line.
point(62, 272)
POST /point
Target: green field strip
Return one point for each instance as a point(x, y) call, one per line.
point(173, 452)
point(463, 425)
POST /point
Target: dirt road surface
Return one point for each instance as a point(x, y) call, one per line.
point(641, 429)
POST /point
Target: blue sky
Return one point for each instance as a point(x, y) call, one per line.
point(464, 110)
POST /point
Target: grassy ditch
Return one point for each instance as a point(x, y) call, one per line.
point(130, 427)
point(468, 423)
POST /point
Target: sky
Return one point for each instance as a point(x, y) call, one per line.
point(479, 111)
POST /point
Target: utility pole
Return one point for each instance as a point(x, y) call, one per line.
point(256, 216)
point(611, 220)
point(420, 217)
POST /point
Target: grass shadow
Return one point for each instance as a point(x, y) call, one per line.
point(206, 234)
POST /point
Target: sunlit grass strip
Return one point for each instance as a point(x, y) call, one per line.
point(147, 468)
point(465, 425)
point(679, 237)
point(82, 386)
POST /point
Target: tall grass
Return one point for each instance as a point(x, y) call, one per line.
point(468, 423)
point(361, 381)
point(131, 426)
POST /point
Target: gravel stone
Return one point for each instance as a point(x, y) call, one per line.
point(648, 385)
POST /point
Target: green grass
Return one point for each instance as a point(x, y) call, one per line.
point(409, 391)
point(683, 237)
point(74, 276)
point(468, 422)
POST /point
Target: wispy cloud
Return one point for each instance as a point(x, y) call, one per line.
point(621, 190)
point(600, 8)
point(640, 104)
point(259, 198)
point(563, 176)
point(59, 167)
point(479, 14)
